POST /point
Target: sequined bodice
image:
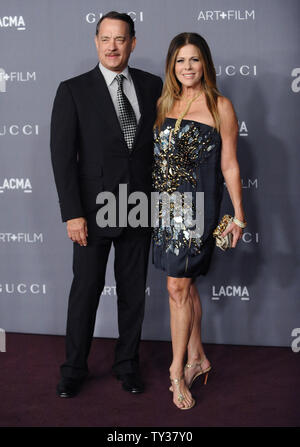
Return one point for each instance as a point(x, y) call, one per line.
point(177, 157)
point(186, 161)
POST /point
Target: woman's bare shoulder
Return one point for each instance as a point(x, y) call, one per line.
point(224, 104)
point(227, 114)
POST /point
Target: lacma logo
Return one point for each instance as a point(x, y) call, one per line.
point(16, 22)
point(223, 291)
point(243, 130)
point(13, 184)
point(14, 76)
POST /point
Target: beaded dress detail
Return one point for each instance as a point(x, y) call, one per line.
point(186, 161)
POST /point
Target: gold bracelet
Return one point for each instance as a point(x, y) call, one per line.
point(239, 223)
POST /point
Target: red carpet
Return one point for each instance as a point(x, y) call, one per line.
point(248, 386)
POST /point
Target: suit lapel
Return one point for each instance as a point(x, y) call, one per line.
point(141, 100)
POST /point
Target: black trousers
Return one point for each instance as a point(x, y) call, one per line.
point(89, 267)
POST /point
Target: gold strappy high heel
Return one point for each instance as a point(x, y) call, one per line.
point(200, 373)
point(180, 396)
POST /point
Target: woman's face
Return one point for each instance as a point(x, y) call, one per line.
point(188, 66)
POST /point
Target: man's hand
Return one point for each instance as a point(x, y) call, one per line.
point(77, 230)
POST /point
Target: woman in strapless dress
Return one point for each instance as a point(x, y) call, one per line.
point(194, 153)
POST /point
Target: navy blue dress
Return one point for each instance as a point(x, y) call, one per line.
point(187, 161)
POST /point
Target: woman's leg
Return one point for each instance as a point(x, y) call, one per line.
point(181, 313)
point(195, 350)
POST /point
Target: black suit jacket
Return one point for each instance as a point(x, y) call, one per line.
point(88, 150)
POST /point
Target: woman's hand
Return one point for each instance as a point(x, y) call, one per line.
point(237, 233)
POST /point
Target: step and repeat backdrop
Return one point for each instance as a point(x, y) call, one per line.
point(251, 294)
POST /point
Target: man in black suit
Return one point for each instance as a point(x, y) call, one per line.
point(101, 137)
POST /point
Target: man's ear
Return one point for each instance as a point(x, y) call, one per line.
point(133, 43)
point(96, 41)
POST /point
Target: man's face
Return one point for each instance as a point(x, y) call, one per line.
point(114, 44)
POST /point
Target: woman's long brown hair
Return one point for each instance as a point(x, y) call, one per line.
point(172, 87)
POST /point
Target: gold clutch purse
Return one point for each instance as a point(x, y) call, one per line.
point(223, 242)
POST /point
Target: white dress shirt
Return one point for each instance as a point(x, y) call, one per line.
point(128, 89)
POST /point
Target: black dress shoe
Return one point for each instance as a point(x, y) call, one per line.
point(68, 387)
point(131, 382)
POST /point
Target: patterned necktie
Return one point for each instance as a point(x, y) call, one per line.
point(126, 114)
